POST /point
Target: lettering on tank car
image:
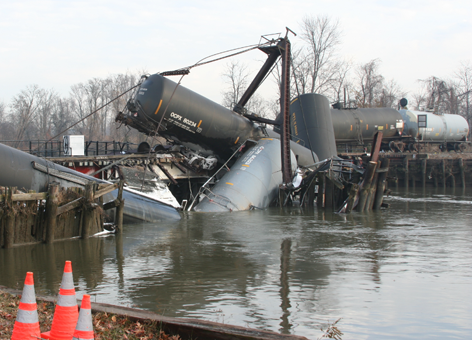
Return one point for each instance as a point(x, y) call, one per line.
point(294, 123)
point(142, 90)
point(180, 125)
point(189, 122)
point(252, 156)
point(175, 116)
point(184, 123)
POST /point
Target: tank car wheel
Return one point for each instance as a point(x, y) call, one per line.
point(460, 147)
point(412, 147)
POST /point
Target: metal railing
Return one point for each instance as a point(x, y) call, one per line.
point(55, 148)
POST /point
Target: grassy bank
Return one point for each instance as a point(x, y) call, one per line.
point(106, 326)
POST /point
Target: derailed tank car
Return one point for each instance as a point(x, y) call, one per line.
point(188, 118)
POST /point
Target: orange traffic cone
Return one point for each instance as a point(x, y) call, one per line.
point(84, 328)
point(27, 322)
point(66, 312)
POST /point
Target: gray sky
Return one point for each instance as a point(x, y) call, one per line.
point(56, 44)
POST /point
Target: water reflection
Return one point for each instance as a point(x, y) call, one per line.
point(287, 270)
point(47, 263)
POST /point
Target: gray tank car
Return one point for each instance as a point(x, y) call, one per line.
point(360, 125)
point(439, 127)
point(253, 181)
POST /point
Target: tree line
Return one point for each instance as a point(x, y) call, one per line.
point(317, 66)
point(39, 114)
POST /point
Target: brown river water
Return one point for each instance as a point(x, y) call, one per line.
point(400, 273)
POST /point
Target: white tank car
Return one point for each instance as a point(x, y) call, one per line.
point(439, 127)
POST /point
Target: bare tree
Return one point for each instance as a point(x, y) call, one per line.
point(63, 116)
point(236, 75)
point(45, 113)
point(5, 125)
point(340, 82)
point(88, 98)
point(3, 113)
point(369, 84)
point(390, 94)
point(438, 91)
point(119, 84)
point(419, 100)
point(315, 67)
point(24, 109)
point(464, 89)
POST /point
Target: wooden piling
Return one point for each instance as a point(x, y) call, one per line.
point(406, 163)
point(352, 197)
point(365, 185)
point(462, 172)
point(443, 169)
point(453, 180)
point(381, 184)
point(51, 209)
point(9, 237)
point(88, 211)
point(321, 184)
point(424, 164)
point(372, 191)
point(22, 221)
point(120, 209)
point(329, 193)
point(2, 230)
point(310, 194)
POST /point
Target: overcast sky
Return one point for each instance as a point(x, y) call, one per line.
point(56, 44)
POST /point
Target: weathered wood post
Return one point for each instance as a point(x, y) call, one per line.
point(2, 230)
point(424, 164)
point(352, 197)
point(382, 183)
point(443, 168)
point(88, 211)
point(310, 201)
point(51, 210)
point(120, 208)
point(462, 172)
point(453, 180)
point(9, 237)
point(407, 172)
point(329, 193)
point(372, 190)
point(321, 186)
point(365, 185)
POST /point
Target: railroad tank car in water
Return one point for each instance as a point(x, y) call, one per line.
point(311, 125)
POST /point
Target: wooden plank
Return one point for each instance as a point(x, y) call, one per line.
point(111, 204)
point(51, 209)
point(374, 157)
point(106, 190)
point(30, 197)
point(69, 206)
point(167, 173)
